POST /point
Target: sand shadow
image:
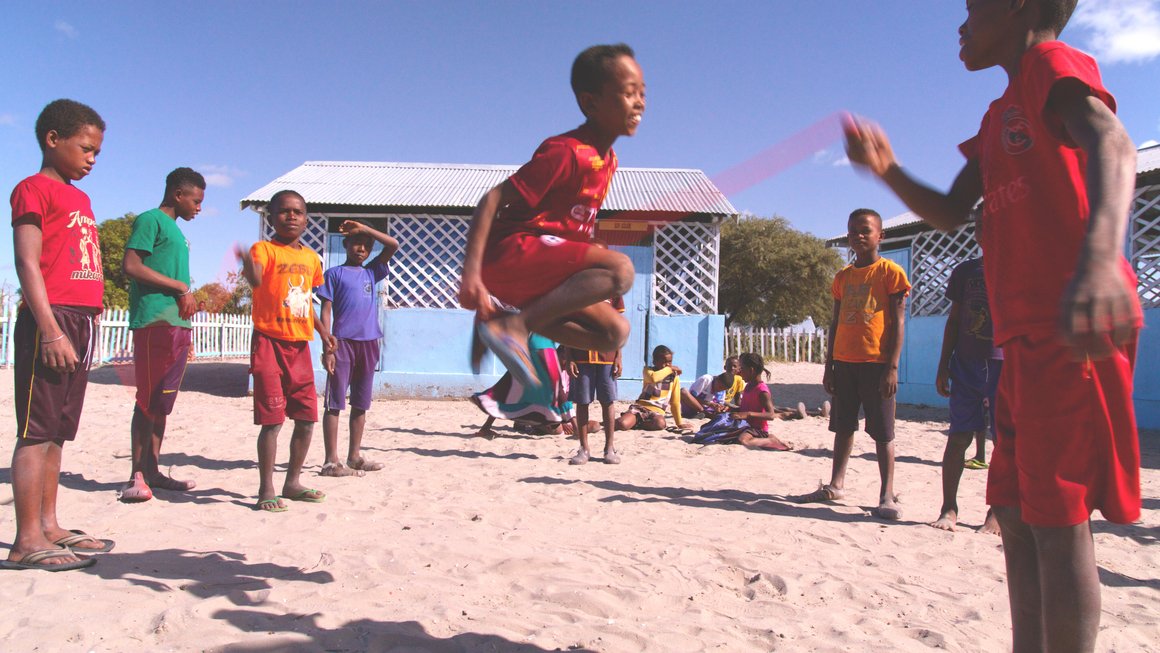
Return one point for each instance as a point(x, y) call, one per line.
point(737, 500)
point(204, 574)
point(1143, 535)
point(1116, 579)
point(814, 452)
point(359, 635)
point(217, 378)
point(444, 453)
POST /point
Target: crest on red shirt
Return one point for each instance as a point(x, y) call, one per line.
point(1016, 131)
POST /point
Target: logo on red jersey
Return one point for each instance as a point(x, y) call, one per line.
point(1016, 131)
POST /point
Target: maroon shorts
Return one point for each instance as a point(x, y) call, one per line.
point(48, 403)
point(283, 381)
point(524, 267)
point(1065, 437)
point(159, 357)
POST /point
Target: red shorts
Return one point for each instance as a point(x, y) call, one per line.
point(524, 267)
point(159, 357)
point(283, 381)
point(1065, 437)
point(49, 403)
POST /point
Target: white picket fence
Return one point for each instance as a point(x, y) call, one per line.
point(777, 344)
point(214, 336)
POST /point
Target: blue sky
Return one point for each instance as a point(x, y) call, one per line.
point(245, 91)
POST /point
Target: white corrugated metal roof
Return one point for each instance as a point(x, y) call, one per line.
point(366, 183)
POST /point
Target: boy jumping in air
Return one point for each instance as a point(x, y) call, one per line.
point(529, 243)
point(58, 262)
point(348, 293)
point(160, 305)
point(1056, 171)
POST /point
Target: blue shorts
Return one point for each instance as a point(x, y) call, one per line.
point(354, 369)
point(594, 383)
point(973, 387)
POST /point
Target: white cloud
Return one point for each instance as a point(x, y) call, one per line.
point(7, 119)
point(210, 211)
point(841, 162)
point(836, 159)
point(821, 156)
point(1148, 143)
point(220, 176)
point(66, 29)
point(1120, 30)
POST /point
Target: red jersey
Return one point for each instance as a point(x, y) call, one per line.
point(70, 251)
point(1034, 191)
point(561, 189)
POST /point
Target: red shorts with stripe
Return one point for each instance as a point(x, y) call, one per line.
point(49, 403)
point(283, 381)
point(1065, 438)
point(523, 267)
point(159, 357)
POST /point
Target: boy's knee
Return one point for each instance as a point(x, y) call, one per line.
point(622, 274)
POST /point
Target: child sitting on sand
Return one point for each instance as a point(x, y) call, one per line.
point(661, 393)
point(750, 426)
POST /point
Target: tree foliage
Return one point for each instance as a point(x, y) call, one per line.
point(114, 233)
point(773, 275)
point(241, 295)
point(215, 295)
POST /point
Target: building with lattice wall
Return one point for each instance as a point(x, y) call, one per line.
point(666, 220)
point(928, 256)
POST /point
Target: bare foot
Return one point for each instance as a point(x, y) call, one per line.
point(136, 490)
point(486, 432)
point(990, 525)
point(170, 483)
point(580, 458)
point(889, 509)
point(946, 521)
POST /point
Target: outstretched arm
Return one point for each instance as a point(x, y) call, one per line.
point(1099, 308)
point(870, 149)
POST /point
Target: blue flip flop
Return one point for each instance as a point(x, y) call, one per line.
point(511, 353)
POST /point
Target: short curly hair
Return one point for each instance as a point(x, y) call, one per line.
point(276, 200)
point(66, 118)
point(182, 177)
point(591, 67)
point(1054, 14)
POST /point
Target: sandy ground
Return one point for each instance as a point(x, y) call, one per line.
point(470, 544)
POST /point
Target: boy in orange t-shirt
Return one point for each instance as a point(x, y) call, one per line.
point(862, 352)
point(283, 273)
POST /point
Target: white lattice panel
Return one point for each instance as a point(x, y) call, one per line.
point(314, 236)
point(686, 264)
point(934, 255)
point(425, 271)
point(1145, 244)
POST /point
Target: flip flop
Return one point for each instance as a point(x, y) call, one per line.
point(273, 503)
point(307, 496)
point(80, 536)
point(30, 561)
point(975, 463)
point(513, 354)
point(336, 470)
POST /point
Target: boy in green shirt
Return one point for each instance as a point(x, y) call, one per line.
point(160, 305)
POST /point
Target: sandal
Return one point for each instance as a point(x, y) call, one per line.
point(337, 470)
point(513, 354)
point(580, 458)
point(363, 465)
point(824, 493)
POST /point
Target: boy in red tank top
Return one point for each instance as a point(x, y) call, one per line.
point(1056, 171)
point(529, 244)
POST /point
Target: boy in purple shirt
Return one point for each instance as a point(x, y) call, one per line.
point(968, 373)
point(348, 292)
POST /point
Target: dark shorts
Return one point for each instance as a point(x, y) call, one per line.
point(1066, 441)
point(283, 381)
point(645, 418)
point(48, 403)
point(594, 383)
point(159, 357)
point(856, 385)
point(524, 267)
point(354, 368)
point(974, 383)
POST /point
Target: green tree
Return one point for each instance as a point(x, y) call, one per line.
point(114, 233)
point(215, 295)
point(241, 295)
point(773, 275)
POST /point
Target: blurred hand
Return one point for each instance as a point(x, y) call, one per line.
point(889, 384)
point(328, 362)
point(616, 370)
point(59, 355)
point(1099, 311)
point(186, 306)
point(942, 381)
point(867, 145)
point(573, 369)
point(473, 295)
point(828, 379)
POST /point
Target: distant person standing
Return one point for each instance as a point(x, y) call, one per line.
point(160, 305)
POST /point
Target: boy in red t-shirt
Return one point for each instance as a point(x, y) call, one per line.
point(282, 271)
point(529, 243)
point(1056, 170)
point(58, 262)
